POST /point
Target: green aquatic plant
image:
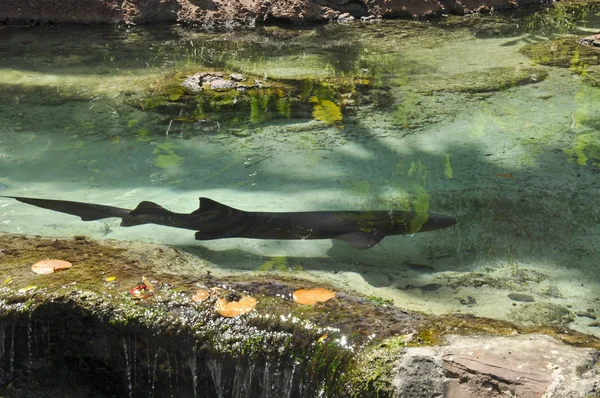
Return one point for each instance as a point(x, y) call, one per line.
point(279, 263)
point(326, 111)
point(585, 149)
point(165, 156)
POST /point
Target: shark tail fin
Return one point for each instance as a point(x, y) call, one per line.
point(85, 211)
point(150, 208)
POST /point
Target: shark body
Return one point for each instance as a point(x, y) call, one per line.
point(214, 220)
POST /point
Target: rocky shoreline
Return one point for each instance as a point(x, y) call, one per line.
point(239, 12)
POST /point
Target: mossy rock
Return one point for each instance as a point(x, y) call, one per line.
point(565, 52)
point(490, 80)
point(320, 99)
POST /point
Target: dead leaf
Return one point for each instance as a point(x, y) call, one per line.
point(149, 285)
point(50, 266)
point(200, 295)
point(230, 307)
point(141, 292)
point(313, 296)
point(504, 175)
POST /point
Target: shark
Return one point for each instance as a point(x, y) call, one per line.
point(214, 220)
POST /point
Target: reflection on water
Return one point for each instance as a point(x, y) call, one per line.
point(450, 118)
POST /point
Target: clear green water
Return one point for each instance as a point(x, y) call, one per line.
point(518, 167)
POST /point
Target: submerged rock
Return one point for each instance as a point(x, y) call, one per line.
point(490, 80)
point(539, 314)
point(521, 297)
point(590, 40)
point(566, 52)
point(199, 82)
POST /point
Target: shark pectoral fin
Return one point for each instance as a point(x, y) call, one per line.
point(129, 221)
point(147, 208)
point(207, 236)
point(207, 205)
point(361, 240)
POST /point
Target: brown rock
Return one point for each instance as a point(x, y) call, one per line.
point(524, 366)
point(591, 40)
point(231, 12)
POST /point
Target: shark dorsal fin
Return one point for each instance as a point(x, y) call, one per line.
point(146, 207)
point(209, 205)
point(361, 240)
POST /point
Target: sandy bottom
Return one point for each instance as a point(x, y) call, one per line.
point(509, 165)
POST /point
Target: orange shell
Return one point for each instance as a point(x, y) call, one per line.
point(200, 295)
point(231, 309)
point(50, 266)
point(313, 296)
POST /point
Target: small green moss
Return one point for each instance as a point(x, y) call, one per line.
point(379, 302)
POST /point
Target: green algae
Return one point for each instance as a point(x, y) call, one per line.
point(280, 263)
point(375, 369)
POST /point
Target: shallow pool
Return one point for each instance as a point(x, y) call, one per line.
point(450, 117)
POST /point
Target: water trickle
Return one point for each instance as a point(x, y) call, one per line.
point(12, 348)
point(288, 377)
point(169, 375)
point(2, 346)
point(249, 380)
point(48, 334)
point(177, 373)
point(29, 330)
point(277, 377)
point(242, 384)
point(239, 370)
point(38, 337)
point(129, 382)
point(266, 381)
point(148, 363)
point(133, 359)
point(215, 369)
point(154, 373)
point(192, 363)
